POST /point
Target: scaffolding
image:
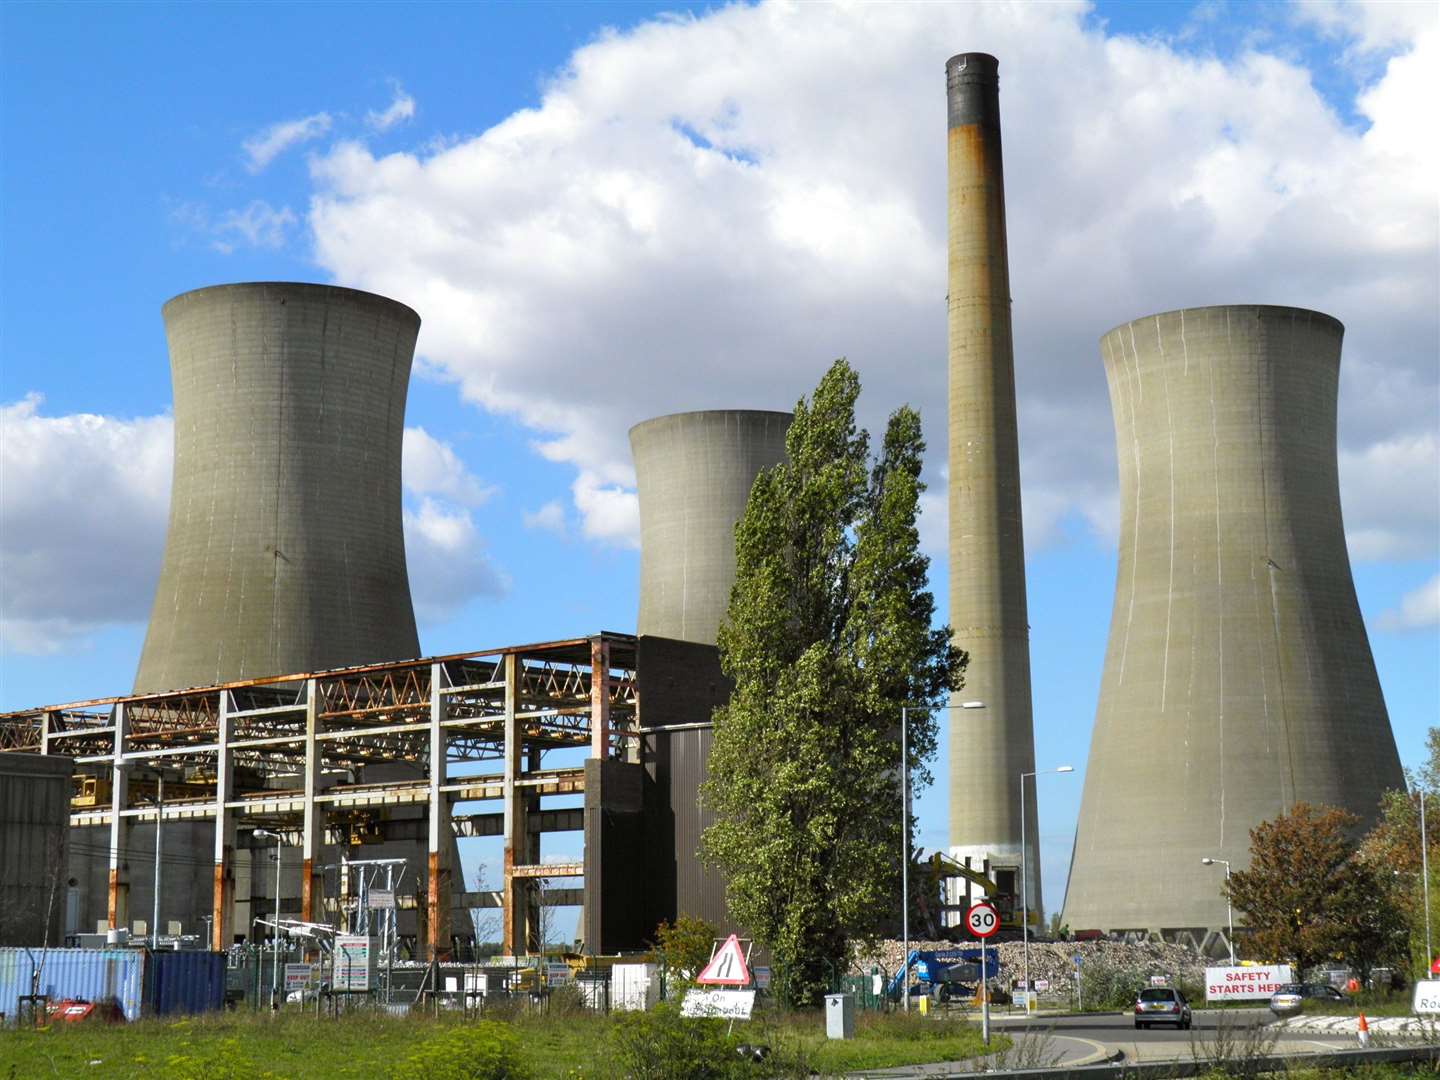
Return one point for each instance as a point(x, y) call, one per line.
point(285, 754)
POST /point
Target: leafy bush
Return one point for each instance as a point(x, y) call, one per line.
point(662, 1045)
point(1107, 986)
point(481, 1051)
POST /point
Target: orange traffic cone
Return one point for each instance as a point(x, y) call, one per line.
point(1364, 1031)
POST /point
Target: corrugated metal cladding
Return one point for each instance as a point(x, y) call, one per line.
point(184, 982)
point(680, 682)
point(34, 820)
point(88, 974)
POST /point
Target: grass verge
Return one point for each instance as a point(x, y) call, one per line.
point(579, 1046)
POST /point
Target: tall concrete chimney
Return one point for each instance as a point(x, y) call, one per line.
point(285, 551)
point(694, 472)
point(989, 748)
point(1238, 678)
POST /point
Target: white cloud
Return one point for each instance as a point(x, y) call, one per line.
point(259, 225)
point(447, 561)
point(1392, 498)
point(431, 467)
point(619, 252)
point(84, 501)
point(1419, 609)
point(265, 146)
point(549, 518)
point(83, 507)
point(400, 109)
point(1370, 25)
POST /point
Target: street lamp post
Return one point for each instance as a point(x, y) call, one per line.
point(1229, 908)
point(155, 903)
point(1024, 875)
point(905, 830)
point(1425, 874)
point(266, 834)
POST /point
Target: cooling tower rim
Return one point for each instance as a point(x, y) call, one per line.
point(1271, 309)
point(697, 413)
point(318, 289)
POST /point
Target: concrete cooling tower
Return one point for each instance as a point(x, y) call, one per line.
point(989, 748)
point(1238, 677)
point(285, 551)
point(694, 472)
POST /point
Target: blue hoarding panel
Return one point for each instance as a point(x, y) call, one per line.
point(184, 982)
point(85, 974)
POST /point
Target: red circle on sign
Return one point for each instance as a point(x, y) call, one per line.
point(982, 920)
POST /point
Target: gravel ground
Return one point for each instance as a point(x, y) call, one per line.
point(1055, 960)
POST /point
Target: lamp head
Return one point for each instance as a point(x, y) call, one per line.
point(1208, 861)
point(1066, 768)
point(972, 705)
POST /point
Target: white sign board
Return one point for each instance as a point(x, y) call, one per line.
point(354, 962)
point(559, 974)
point(1159, 980)
point(380, 899)
point(1427, 997)
point(297, 977)
point(1245, 983)
point(719, 1004)
point(1042, 984)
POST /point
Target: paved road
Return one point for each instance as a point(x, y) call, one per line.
point(1235, 1026)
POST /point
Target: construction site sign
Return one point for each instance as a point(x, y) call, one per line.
point(1427, 997)
point(727, 967)
point(718, 1004)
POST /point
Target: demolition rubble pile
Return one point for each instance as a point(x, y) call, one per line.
point(1055, 961)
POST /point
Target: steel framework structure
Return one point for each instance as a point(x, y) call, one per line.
point(283, 753)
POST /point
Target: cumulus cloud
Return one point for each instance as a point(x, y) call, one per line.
point(82, 522)
point(447, 561)
point(83, 512)
point(266, 145)
point(618, 252)
point(549, 518)
point(431, 467)
point(1392, 497)
point(400, 109)
point(1419, 609)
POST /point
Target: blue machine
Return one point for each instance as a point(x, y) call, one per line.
point(944, 973)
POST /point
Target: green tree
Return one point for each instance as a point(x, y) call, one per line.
point(828, 634)
point(1392, 848)
point(1308, 896)
point(686, 944)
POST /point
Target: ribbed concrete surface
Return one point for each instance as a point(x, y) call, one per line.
point(989, 748)
point(694, 472)
point(285, 551)
point(1238, 677)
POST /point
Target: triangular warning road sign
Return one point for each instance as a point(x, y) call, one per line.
point(726, 967)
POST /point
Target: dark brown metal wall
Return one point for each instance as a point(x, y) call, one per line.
point(34, 822)
point(680, 682)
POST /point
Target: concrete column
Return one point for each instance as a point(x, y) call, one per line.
point(314, 827)
point(117, 907)
point(514, 891)
point(437, 922)
point(222, 926)
point(989, 748)
point(599, 698)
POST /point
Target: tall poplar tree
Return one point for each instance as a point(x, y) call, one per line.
point(827, 636)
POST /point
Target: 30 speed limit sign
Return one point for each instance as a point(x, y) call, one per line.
point(982, 920)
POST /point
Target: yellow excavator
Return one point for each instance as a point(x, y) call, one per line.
point(991, 882)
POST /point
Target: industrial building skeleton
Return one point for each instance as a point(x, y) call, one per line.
point(507, 705)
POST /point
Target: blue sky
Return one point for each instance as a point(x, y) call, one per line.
point(605, 212)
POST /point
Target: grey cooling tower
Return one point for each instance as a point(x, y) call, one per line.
point(694, 472)
point(989, 748)
point(1238, 677)
point(285, 551)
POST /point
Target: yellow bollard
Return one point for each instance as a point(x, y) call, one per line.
point(925, 1005)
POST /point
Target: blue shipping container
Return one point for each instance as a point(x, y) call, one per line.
point(88, 974)
point(184, 982)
